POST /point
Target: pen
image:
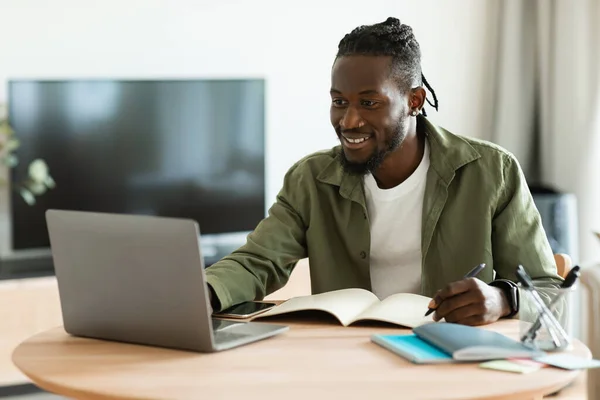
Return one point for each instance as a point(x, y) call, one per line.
point(471, 274)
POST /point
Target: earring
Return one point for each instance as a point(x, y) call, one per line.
point(414, 113)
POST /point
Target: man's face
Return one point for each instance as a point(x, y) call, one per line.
point(368, 111)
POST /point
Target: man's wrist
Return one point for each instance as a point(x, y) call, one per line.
point(510, 296)
point(505, 308)
point(213, 298)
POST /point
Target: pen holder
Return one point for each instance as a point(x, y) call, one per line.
point(544, 322)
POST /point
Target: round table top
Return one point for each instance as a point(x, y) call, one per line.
point(312, 359)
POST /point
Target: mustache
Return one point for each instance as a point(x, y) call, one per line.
point(353, 130)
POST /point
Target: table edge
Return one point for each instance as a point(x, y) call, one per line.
point(98, 395)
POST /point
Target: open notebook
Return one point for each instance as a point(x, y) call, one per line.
point(353, 305)
point(448, 342)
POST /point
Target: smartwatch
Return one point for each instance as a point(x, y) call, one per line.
point(511, 291)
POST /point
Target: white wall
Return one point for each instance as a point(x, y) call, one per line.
point(293, 48)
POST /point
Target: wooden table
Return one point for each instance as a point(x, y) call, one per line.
point(314, 359)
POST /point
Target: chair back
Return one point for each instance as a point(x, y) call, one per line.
point(297, 285)
point(563, 264)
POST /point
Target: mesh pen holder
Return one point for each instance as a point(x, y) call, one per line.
point(547, 327)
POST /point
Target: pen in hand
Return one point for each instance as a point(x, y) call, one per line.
point(471, 274)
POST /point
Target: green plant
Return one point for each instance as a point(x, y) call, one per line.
point(38, 179)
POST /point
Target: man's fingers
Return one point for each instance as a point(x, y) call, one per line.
point(465, 313)
point(468, 302)
point(435, 300)
point(452, 289)
point(453, 303)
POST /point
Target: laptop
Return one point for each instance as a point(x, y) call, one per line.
point(139, 279)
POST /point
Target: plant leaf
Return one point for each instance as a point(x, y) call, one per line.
point(12, 144)
point(10, 160)
point(38, 170)
point(5, 128)
point(27, 196)
point(49, 182)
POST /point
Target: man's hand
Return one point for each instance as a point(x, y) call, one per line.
point(470, 302)
point(210, 301)
point(213, 302)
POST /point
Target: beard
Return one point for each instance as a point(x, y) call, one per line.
point(377, 157)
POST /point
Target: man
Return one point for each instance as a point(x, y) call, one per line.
point(400, 206)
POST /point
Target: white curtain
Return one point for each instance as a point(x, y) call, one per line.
point(546, 102)
point(545, 74)
point(514, 69)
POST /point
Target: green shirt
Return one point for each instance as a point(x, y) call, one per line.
point(477, 209)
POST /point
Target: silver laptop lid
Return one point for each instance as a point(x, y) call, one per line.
point(129, 278)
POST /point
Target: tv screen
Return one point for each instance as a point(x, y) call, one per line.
point(192, 149)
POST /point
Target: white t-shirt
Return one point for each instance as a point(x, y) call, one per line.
point(395, 218)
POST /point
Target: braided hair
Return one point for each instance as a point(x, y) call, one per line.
point(390, 38)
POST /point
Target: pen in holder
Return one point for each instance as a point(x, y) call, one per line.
point(545, 327)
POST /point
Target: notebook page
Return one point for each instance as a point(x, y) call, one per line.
point(404, 309)
point(345, 304)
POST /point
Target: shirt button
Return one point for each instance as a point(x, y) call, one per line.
point(363, 255)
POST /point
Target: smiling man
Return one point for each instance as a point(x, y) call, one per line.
point(400, 206)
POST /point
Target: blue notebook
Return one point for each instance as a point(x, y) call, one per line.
point(447, 342)
point(412, 348)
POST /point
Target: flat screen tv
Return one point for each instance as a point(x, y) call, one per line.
point(176, 148)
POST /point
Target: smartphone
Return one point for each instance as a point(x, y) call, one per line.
point(245, 310)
